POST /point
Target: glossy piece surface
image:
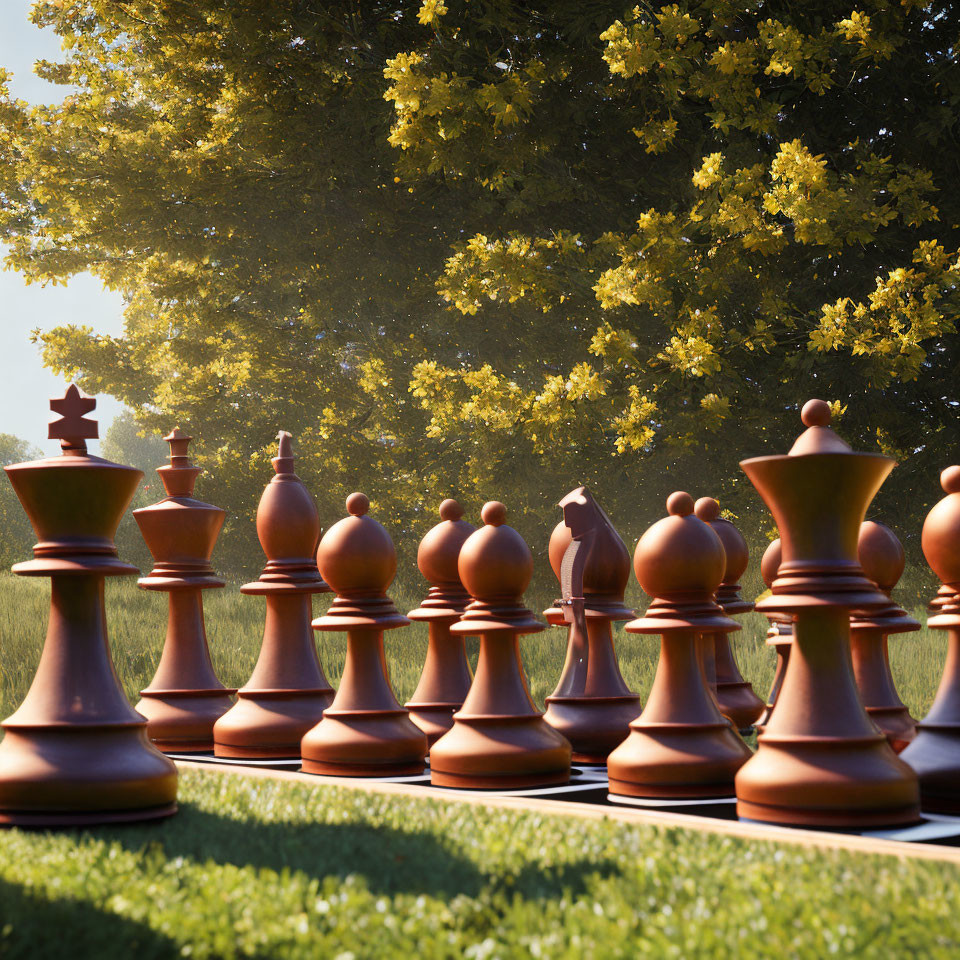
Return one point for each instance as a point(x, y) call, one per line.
point(364, 732)
point(498, 738)
point(821, 761)
point(75, 751)
point(779, 634)
point(935, 753)
point(681, 746)
point(184, 699)
point(287, 691)
point(446, 677)
point(592, 706)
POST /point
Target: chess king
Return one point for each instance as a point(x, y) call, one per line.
point(76, 752)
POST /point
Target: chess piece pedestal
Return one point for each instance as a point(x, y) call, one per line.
point(287, 691)
point(681, 746)
point(735, 695)
point(592, 706)
point(446, 678)
point(184, 699)
point(821, 762)
point(75, 752)
point(935, 752)
point(499, 740)
point(883, 561)
point(364, 732)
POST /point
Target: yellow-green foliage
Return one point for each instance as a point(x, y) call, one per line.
point(478, 248)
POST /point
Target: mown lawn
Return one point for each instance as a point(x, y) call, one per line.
point(255, 868)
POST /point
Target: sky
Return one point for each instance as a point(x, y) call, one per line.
point(26, 386)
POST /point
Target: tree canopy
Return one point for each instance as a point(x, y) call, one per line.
point(496, 249)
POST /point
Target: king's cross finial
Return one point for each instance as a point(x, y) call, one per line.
point(73, 427)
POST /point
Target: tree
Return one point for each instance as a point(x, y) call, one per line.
point(18, 536)
point(498, 249)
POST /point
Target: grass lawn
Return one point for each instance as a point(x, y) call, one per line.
point(257, 868)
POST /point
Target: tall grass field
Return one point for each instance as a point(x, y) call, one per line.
point(137, 623)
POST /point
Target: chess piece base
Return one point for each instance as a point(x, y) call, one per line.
point(737, 701)
point(594, 725)
point(181, 721)
point(494, 751)
point(364, 743)
point(677, 761)
point(266, 724)
point(434, 719)
point(827, 782)
point(83, 774)
point(935, 756)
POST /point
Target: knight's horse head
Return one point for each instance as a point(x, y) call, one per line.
point(585, 519)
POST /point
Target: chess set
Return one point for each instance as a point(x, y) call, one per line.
point(836, 750)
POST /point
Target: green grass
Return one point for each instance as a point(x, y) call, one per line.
point(270, 869)
point(267, 869)
point(137, 623)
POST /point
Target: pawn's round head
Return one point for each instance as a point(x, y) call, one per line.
point(941, 530)
point(770, 562)
point(881, 554)
point(680, 553)
point(356, 555)
point(439, 550)
point(495, 562)
point(734, 545)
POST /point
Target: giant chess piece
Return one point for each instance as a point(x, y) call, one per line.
point(364, 732)
point(499, 739)
point(592, 706)
point(287, 691)
point(681, 746)
point(821, 762)
point(935, 753)
point(779, 634)
point(882, 558)
point(184, 698)
point(734, 694)
point(446, 676)
point(75, 752)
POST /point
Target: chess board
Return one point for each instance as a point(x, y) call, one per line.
point(587, 794)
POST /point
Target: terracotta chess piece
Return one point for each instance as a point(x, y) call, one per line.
point(592, 706)
point(184, 698)
point(287, 691)
point(734, 694)
point(883, 560)
point(364, 732)
point(779, 634)
point(681, 746)
point(499, 739)
point(76, 753)
point(821, 762)
point(446, 676)
point(935, 753)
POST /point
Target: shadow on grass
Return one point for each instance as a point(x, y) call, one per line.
point(389, 860)
point(32, 927)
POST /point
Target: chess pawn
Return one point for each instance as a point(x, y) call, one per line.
point(882, 558)
point(499, 739)
point(935, 752)
point(734, 694)
point(364, 732)
point(681, 746)
point(184, 698)
point(287, 691)
point(592, 706)
point(75, 752)
point(779, 634)
point(446, 675)
point(820, 761)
